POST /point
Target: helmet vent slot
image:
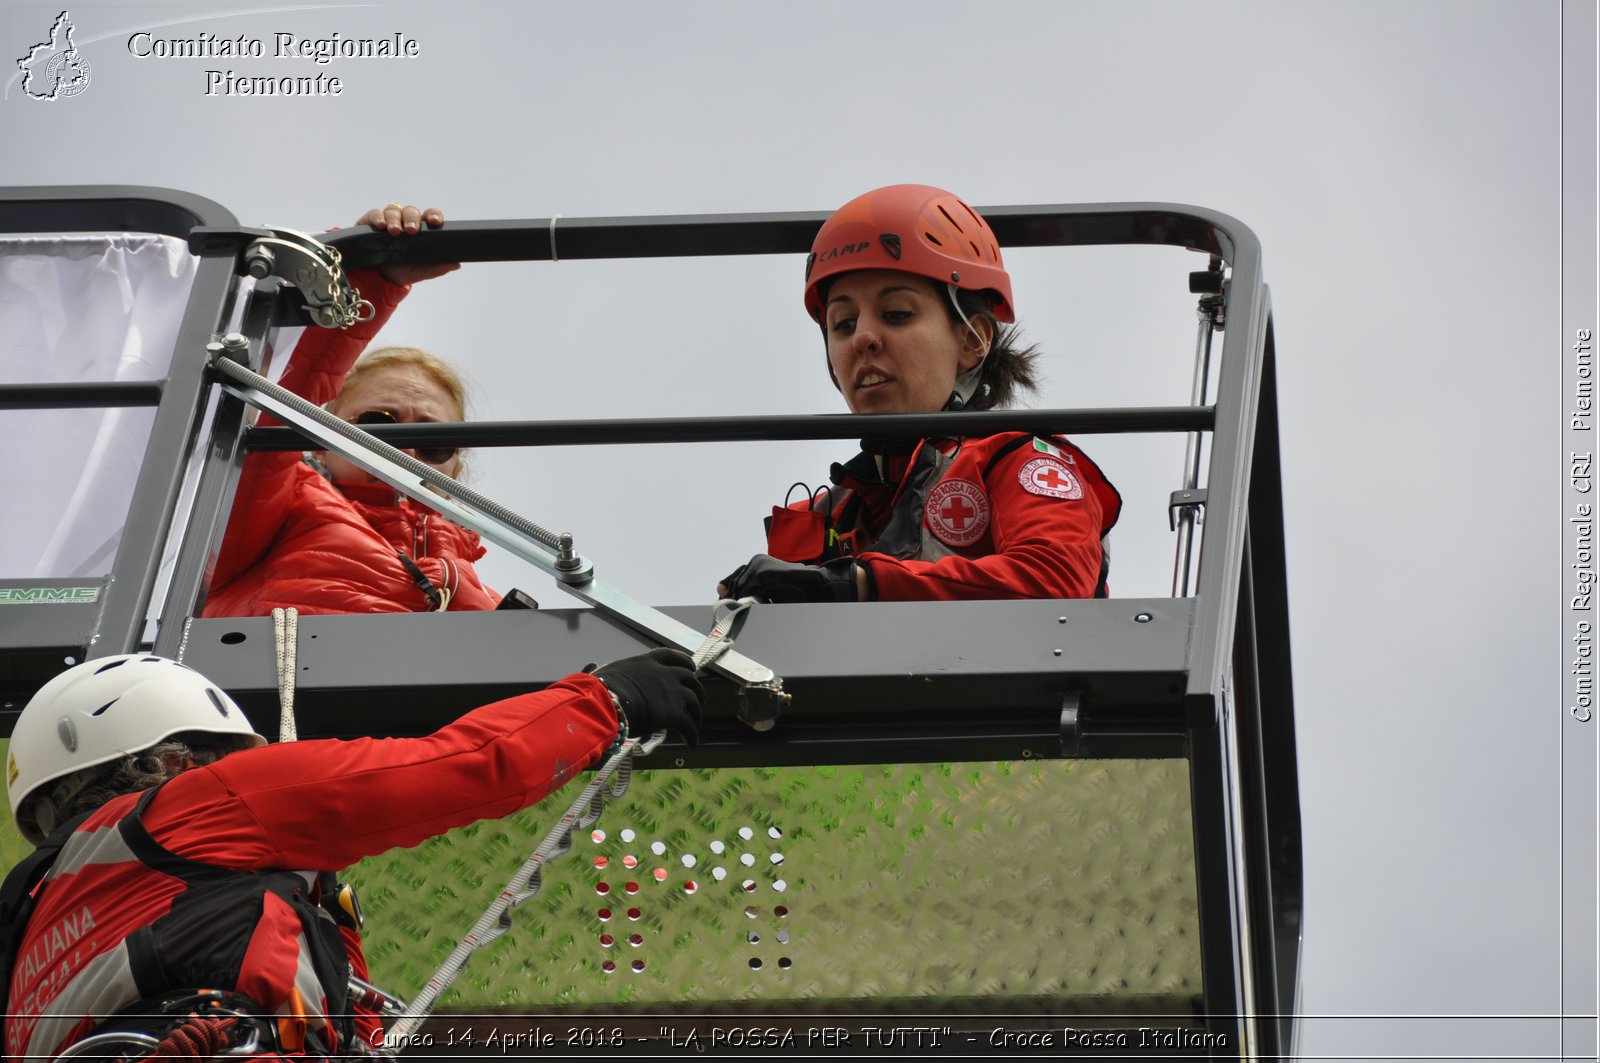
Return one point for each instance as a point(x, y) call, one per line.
point(932, 239)
point(108, 667)
point(211, 693)
point(949, 219)
point(107, 705)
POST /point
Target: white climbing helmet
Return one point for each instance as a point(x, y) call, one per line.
point(103, 709)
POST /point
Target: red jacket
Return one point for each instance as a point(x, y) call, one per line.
point(296, 539)
point(311, 806)
point(1005, 516)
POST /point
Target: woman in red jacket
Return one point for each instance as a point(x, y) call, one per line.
point(318, 533)
point(914, 302)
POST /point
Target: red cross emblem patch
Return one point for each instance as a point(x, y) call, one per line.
point(957, 512)
point(1050, 476)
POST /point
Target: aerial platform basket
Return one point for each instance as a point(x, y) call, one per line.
point(1098, 832)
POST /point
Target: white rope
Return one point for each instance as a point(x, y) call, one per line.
point(286, 637)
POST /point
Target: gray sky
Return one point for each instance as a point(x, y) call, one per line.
point(1399, 162)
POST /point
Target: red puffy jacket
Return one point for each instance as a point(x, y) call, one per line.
point(297, 540)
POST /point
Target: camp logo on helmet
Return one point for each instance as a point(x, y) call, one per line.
point(837, 252)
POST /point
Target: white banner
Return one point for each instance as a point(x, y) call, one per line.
point(80, 308)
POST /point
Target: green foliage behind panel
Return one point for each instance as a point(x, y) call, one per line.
point(949, 882)
point(1027, 880)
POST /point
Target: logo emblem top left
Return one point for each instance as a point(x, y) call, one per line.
point(54, 69)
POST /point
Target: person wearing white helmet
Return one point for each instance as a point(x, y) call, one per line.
point(915, 305)
point(186, 866)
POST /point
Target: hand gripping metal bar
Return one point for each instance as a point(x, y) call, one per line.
point(496, 919)
point(761, 696)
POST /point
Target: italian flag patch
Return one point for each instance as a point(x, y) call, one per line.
point(1055, 452)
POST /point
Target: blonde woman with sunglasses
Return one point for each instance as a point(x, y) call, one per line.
point(317, 533)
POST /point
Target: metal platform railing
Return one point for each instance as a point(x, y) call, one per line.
point(1204, 677)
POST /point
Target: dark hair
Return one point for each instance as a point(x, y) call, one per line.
point(1010, 368)
point(84, 791)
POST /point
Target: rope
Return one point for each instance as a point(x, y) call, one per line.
point(197, 1037)
point(286, 637)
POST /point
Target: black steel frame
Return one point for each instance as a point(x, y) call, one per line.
point(34, 644)
point(1207, 677)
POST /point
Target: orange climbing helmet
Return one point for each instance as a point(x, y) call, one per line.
point(915, 229)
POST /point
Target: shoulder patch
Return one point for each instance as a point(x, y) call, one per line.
point(957, 512)
point(1049, 477)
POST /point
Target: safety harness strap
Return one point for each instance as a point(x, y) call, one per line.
point(17, 899)
point(204, 938)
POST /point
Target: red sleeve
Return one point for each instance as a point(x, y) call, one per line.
point(315, 372)
point(1044, 547)
point(324, 804)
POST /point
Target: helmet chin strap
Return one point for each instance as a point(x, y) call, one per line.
point(967, 383)
point(966, 386)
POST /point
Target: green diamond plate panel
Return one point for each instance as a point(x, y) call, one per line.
point(1023, 881)
point(1029, 880)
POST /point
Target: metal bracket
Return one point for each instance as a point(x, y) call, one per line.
point(1211, 284)
point(1071, 703)
point(314, 269)
point(310, 266)
point(760, 705)
point(1194, 498)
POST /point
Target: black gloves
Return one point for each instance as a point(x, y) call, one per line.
point(770, 580)
point(657, 691)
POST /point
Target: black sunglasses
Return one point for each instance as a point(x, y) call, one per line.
point(431, 455)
